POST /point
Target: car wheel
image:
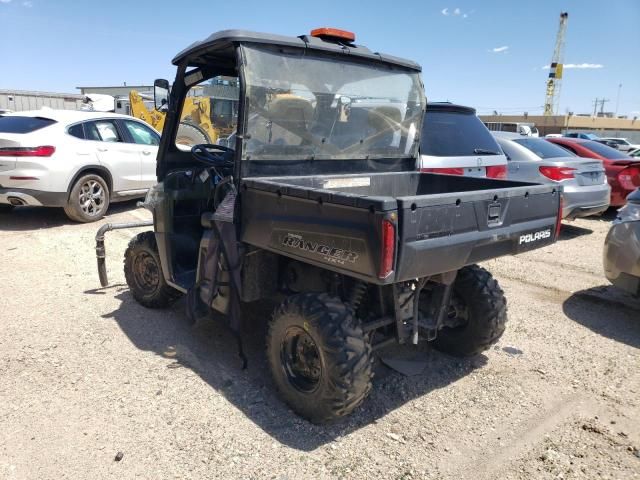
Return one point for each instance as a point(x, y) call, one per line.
point(88, 200)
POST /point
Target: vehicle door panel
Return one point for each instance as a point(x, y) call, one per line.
point(144, 141)
point(119, 157)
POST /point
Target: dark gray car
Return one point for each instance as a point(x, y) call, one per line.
point(530, 159)
point(622, 247)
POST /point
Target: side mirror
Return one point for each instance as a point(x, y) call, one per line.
point(161, 94)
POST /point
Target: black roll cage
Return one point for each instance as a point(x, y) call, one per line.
point(221, 54)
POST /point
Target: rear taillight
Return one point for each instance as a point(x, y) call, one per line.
point(388, 248)
point(497, 171)
point(557, 173)
point(446, 171)
point(629, 178)
point(559, 218)
point(42, 151)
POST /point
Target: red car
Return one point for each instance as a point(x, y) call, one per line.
point(623, 171)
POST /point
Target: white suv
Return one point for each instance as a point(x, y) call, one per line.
point(621, 144)
point(455, 142)
point(80, 161)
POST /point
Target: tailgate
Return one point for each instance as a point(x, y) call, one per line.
point(439, 233)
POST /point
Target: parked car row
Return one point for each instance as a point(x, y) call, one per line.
point(623, 172)
point(82, 161)
point(594, 176)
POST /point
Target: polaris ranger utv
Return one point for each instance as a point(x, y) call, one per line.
point(319, 204)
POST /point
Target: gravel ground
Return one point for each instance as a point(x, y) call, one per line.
point(87, 375)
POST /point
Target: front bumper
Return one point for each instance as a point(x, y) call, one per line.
point(35, 198)
point(621, 256)
point(584, 201)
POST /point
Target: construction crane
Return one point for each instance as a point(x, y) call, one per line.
point(555, 73)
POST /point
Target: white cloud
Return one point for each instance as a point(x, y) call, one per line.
point(504, 48)
point(456, 12)
point(5, 1)
point(27, 4)
point(581, 66)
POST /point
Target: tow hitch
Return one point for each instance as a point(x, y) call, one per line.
point(100, 250)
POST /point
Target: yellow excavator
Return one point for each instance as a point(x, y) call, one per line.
point(195, 126)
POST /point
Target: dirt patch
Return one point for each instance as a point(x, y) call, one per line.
point(92, 385)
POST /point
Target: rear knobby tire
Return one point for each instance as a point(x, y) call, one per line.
point(143, 272)
point(483, 301)
point(88, 199)
point(341, 362)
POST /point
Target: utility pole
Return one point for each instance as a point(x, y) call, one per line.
point(595, 106)
point(618, 98)
point(602, 102)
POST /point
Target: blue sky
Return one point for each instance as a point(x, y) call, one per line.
point(56, 45)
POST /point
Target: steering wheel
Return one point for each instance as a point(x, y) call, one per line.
point(202, 152)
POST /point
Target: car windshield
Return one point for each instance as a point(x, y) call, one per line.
point(542, 148)
point(450, 133)
point(304, 105)
point(605, 151)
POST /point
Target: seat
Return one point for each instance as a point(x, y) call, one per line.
point(385, 118)
point(289, 114)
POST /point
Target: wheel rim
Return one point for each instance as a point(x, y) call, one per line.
point(92, 198)
point(146, 273)
point(300, 359)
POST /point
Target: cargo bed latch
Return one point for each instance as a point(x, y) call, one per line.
point(493, 215)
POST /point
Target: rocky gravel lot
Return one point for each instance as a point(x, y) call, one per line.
point(94, 386)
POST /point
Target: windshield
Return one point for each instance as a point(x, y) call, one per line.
point(455, 134)
point(605, 151)
point(543, 149)
point(304, 105)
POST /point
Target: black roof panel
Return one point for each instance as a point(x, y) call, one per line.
point(449, 107)
point(224, 39)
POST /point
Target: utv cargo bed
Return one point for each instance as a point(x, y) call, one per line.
point(437, 223)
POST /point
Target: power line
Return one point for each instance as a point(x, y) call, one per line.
point(600, 101)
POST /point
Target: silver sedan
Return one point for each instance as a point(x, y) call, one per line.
point(529, 159)
point(622, 247)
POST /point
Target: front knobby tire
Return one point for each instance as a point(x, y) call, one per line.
point(479, 311)
point(319, 357)
point(143, 272)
